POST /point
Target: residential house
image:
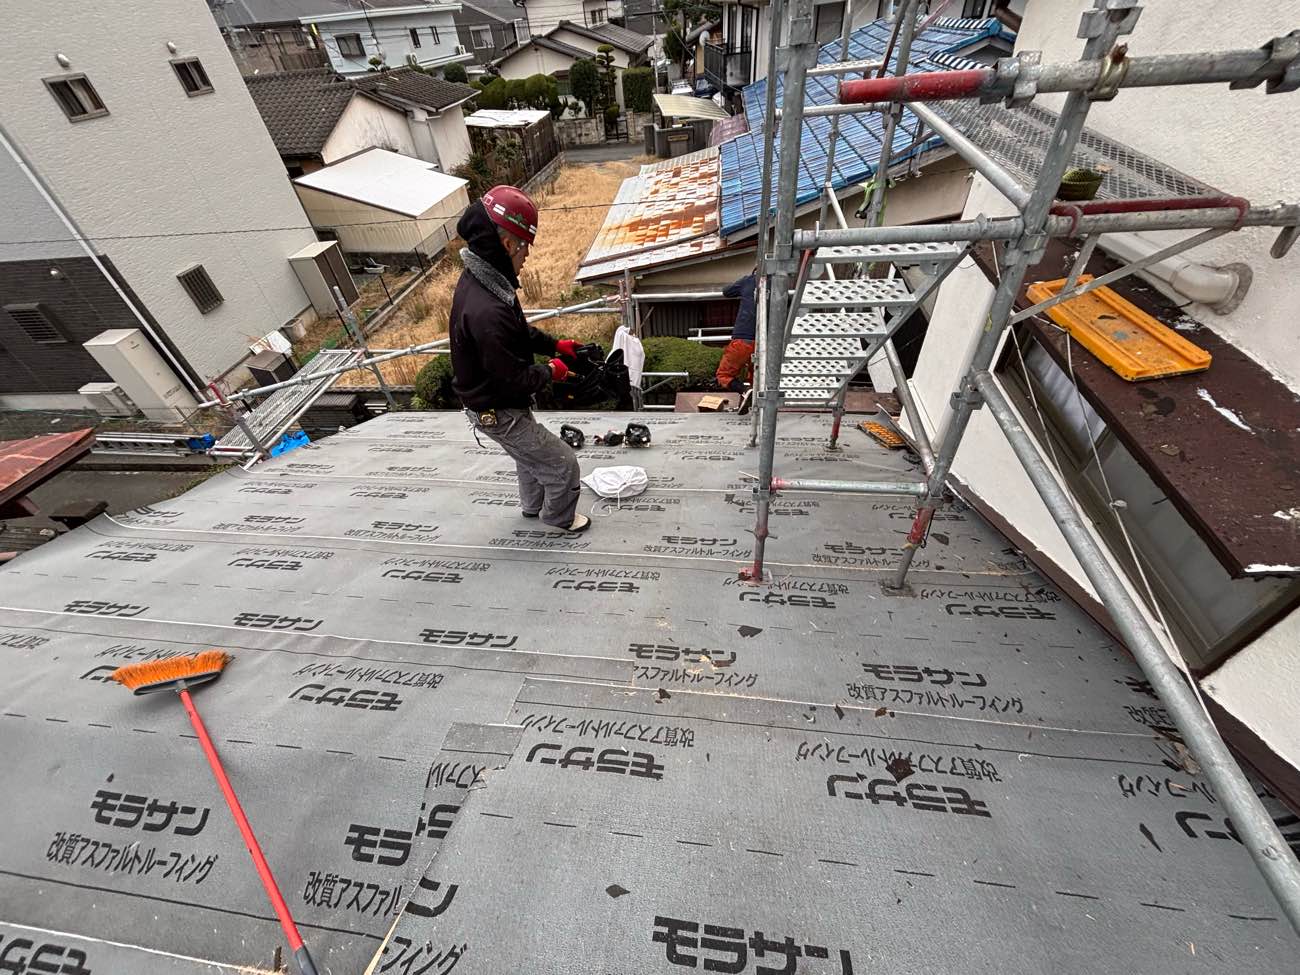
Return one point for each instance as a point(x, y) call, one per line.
point(394, 32)
point(267, 36)
point(644, 17)
point(490, 29)
point(736, 54)
point(319, 117)
point(689, 223)
point(555, 52)
point(141, 192)
point(1204, 464)
point(545, 15)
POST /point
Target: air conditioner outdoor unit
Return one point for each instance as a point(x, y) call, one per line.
point(460, 49)
point(107, 399)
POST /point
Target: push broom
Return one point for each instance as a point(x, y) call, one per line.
point(179, 674)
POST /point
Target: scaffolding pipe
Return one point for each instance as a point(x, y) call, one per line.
point(1096, 75)
point(801, 54)
point(845, 67)
point(828, 186)
point(1015, 261)
point(913, 489)
point(910, 409)
point(1009, 228)
point(880, 179)
point(769, 127)
point(834, 111)
point(983, 163)
point(1251, 821)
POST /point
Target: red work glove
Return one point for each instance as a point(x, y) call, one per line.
point(567, 347)
point(558, 370)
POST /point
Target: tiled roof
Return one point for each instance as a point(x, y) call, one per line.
point(550, 43)
point(619, 37)
point(502, 10)
point(858, 147)
point(414, 86)
point(300, 108)
point(667, 211)
point(242, 13)
point(727, 129)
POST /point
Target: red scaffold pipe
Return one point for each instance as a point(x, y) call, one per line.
point(928, 86)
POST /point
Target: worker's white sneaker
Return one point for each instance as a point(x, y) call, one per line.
point(580, 524)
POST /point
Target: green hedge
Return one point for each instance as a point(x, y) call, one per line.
point(667, 354)
point(638, 86)
point(433, 386)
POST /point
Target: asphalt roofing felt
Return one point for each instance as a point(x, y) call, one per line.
point(470, 744)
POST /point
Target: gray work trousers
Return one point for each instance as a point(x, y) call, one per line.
point(548, 468)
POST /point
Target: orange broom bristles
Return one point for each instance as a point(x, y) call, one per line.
point(153, 673)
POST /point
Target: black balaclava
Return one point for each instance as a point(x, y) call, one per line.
point(478, 231)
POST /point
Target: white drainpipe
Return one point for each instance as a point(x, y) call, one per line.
point(1221, 289)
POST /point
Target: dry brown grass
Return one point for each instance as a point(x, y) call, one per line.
point(572, 210)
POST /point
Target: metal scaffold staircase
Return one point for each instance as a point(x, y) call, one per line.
point(840, 324)
point(815, 333)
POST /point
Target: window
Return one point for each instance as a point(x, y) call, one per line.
point(200, 288)
point(978, 8)
point(829, 19)
point(481, 36)
point(597, 16)
point(562, 86)
point(76, 96)
point(192, 76)
point(1210, 613)
point(433, 32)
point(521, 31)
point(350, 46)
point(38, 323)
point(415, 37)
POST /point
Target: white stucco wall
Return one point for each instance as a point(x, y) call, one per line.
point(27, 220)
point(1230, 139)
point(161, 163)
point(390, 32)
point(366, 123)
point(1239, 141)
point(532, 60)
point(451, 137)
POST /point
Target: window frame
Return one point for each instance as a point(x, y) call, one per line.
point(414, 33)
point(474, 34)
point(433, 32)
point(354, 36)
point(48, 318)
point(204, 303)
point(181, 65)
point(53, 84)
point(1203, 654)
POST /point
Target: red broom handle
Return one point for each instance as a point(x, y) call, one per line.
point(246, 830)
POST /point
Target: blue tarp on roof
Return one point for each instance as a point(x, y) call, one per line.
point(857, 149)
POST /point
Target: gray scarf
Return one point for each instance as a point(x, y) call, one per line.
point(488, 276)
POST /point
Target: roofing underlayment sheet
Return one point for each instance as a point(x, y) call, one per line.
point(469, 743)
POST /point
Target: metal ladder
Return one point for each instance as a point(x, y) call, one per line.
point(837, 325)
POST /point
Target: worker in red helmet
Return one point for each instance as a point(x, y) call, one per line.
point(492, 349)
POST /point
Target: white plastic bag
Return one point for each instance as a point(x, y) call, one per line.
point(617, 482)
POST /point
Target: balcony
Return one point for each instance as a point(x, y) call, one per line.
point(726, 67)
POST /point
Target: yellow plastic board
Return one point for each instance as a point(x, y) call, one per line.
point(1129, 341)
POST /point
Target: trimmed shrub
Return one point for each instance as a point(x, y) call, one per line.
point(584, 82)
point(638, 87)
point(455, 72)
point(433, 386)
point(667, 354)
point(496, 94)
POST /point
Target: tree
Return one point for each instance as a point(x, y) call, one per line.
point(638, 87)
point(584, 81)
point(540, 91)
point(496, 95)
point(608, 74)
point(456, 73)
point(681, 16)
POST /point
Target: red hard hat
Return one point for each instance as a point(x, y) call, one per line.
point(511, 209)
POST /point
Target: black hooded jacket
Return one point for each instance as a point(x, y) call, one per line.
point(492, 346)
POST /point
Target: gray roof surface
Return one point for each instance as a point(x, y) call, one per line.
point(623, 759)
point(242, 13)
point(620, 37)
point(301, 108)
point(550, 43)
point(502, 10)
